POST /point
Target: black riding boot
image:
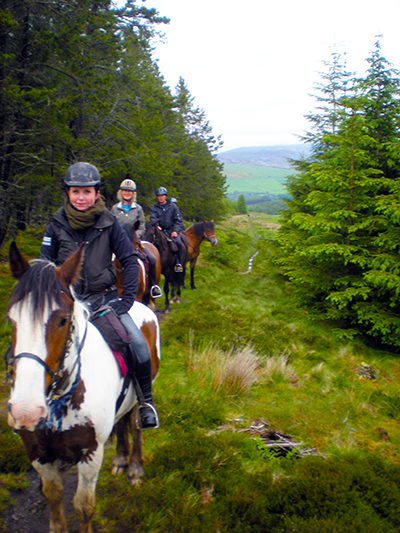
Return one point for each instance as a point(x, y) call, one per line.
point(139, 365)
point(142, 371)
point(155, 290)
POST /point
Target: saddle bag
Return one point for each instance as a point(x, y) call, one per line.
point(112, 329)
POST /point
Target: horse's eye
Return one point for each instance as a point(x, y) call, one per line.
point(63, 322)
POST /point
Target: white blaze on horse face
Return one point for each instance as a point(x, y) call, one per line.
point(27, 403)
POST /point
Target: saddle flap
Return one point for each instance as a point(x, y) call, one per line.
point(111, 327)
point(173, 246)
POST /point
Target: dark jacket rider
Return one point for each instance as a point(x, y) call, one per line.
point(167, 217)
point(84, 218)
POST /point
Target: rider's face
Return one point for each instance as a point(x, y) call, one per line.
point(162, 198)
point(82, 197)
point(127, 196)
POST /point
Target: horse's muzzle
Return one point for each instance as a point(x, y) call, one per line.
point(26, 416)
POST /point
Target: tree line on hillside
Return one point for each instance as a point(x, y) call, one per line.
point(340, 239)
point(78, 83)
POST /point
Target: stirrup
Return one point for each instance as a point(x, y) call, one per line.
point(148, 416)
point(155, 292)
point(178, 267)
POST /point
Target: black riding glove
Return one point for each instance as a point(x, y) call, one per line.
point(119, 306)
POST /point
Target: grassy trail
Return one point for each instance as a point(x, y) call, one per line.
point(243, 365)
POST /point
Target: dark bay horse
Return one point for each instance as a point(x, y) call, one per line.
point(172, 279)
point(195, 235)
point(66, 383)
point(143, 294)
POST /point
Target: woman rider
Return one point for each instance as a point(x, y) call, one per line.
point(84, 218)
point(128, 211)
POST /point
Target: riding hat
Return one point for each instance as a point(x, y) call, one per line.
point(128, 185)
point(173, 200)
point(82, 175)
point(161, 190)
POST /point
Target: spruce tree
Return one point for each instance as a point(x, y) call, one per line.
point(340, 219)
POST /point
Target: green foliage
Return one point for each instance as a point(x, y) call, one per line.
point(241, 205)
point(82, 85)
point(13, 457)
point(339, 239)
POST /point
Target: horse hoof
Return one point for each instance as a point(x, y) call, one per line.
point(135, 482)
point(118, 470)
point(166, 311)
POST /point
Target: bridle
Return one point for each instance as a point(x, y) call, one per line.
point(58, 394)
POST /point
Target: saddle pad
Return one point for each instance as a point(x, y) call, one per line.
point(121, 362)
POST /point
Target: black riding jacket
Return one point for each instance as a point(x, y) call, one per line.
point(167, 216)
point(104, 238)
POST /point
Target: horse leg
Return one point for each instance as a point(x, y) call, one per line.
point(173, 298)
point(135, 469)
point(178, 294)
point(192, 265)
point(85, 497)
point(53, 490)
point(166, 292)
point(120, 461)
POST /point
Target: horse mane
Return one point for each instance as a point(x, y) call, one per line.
point(41, 283)
point(199, 227)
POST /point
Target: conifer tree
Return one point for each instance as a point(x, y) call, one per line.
point(241, 205)
point(340, 220)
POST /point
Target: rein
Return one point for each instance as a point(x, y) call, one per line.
point(58, 399)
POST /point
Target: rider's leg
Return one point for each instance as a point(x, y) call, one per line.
point(140, 365)
point(155, 290)
point(178, 266)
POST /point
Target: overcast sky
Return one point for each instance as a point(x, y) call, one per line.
point(252, 66)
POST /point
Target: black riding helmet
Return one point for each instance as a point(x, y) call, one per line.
point(82, 175)
point(161, 190)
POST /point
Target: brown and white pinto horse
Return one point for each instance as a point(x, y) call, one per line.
point(66, 382)
point(195, 235)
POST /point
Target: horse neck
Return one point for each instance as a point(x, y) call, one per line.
point(193, 239)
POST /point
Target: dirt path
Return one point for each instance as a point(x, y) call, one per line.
point(30, 514)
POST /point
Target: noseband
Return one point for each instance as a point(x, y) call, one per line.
point(11, 360)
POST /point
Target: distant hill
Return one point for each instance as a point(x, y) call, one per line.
point(265, 156)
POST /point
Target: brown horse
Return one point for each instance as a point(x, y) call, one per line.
point(143, 293)
point(195, 235)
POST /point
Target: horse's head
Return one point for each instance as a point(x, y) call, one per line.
point(131, 232)
point(209, 233)
point(40, 310)
point(149, 232)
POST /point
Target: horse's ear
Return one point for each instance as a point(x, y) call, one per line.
point(70, 269)
point(18, 264)
point(136, 225)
